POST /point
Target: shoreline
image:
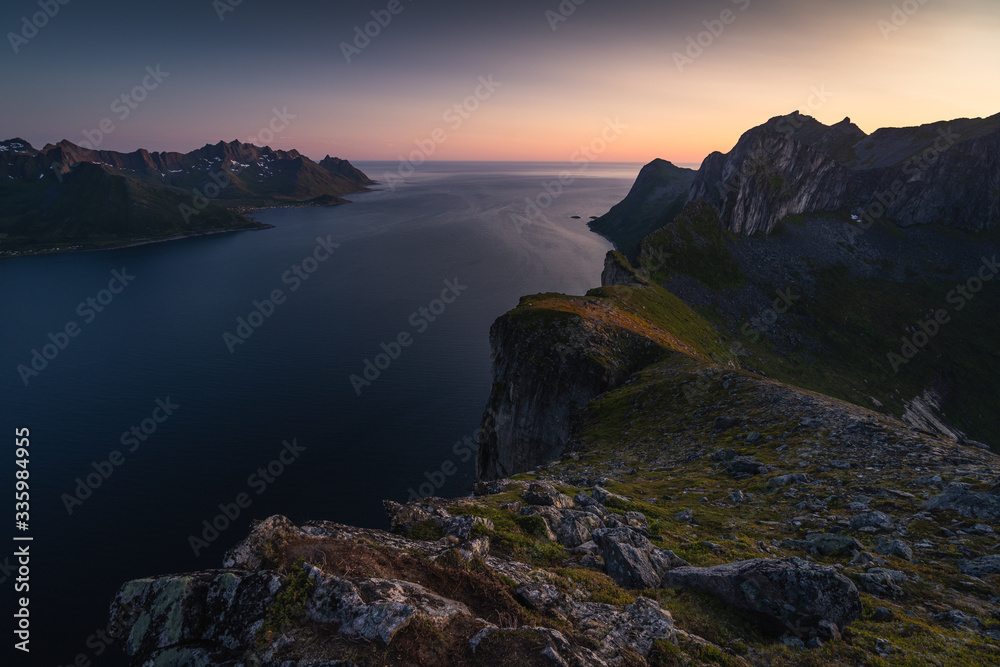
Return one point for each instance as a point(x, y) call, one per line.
point(240, 210)
point(135, 242)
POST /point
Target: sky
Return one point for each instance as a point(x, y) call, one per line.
point(545, 80)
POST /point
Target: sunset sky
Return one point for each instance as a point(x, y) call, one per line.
point(559, 80)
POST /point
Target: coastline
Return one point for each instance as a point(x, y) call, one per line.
point(130, 243)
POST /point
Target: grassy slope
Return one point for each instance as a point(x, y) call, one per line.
point(652, 437)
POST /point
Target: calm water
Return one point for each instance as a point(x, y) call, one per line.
point(162, 337)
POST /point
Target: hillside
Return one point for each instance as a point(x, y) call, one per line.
point(65, 197)
point(659, 193)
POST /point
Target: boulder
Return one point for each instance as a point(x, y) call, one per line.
point(786, 480)
point(832, 543)
point(267, 538)
point(637, 627)
point(576, 528)
point(745, 466)
point(155, 619)
point(685, 515)
point(551, 644)
point(977, 567)
point(404, 518)
point(546, 494)
point(543, 597)
point(872, 521)
point(970, 504)
point(882, 582)
point(788, 595)
point(602, 496)
point(377, 609)
point(462, 526)
point(898, 548)
point(632, 560)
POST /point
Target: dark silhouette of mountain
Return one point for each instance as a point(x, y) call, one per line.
point(659, 193)
point(65, 196)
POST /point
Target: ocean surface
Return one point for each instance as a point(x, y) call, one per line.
point(145, 416)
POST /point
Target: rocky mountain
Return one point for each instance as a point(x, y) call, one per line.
point(65, 196)
point(945, 173)
point(659, 193)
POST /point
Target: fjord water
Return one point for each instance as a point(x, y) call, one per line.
point(161, 338)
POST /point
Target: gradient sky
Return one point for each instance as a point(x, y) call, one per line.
point(609, 59)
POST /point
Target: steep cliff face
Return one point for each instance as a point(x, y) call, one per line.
point(771, 173)
point(555, 353)
point(547, 365)
point(946, 173)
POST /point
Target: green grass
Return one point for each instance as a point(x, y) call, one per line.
point(695, 244)
point(288, 606)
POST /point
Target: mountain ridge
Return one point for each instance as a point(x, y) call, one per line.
point(50, 200)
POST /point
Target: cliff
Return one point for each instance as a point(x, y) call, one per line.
point(944, 173)
point(553, 354)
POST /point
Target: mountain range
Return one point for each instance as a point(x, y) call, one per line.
point(64, 196)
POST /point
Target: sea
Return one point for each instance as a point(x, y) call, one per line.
point(171, 393)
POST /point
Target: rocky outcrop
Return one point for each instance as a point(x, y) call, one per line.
point(617, 271)
point(771, 173)
point(632, 560)
point(946, 173)
point(436, 604)
point(958, 497)
point(547, 365)
point(788, 595)
point(174, 618)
